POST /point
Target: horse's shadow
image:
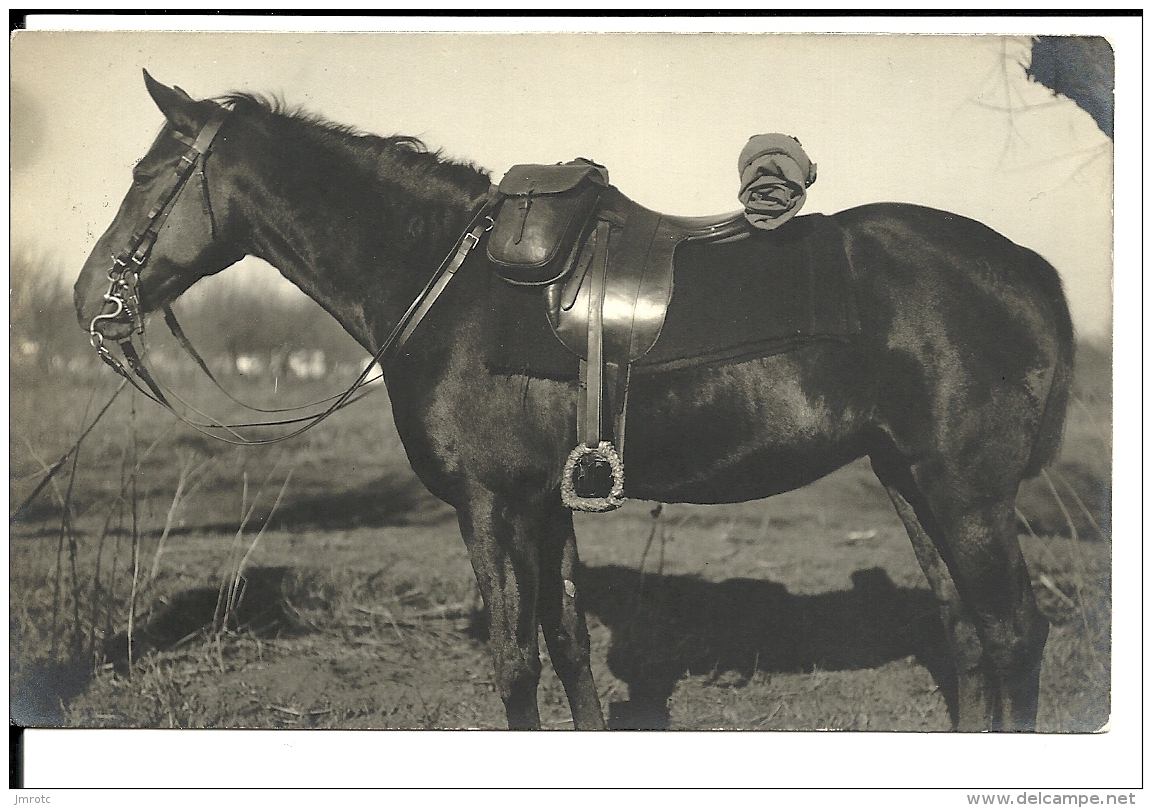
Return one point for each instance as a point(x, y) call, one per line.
point(261, 608)
point(664, 626)
point(384, 502)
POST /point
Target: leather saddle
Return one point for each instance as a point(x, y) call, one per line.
point(606, 265)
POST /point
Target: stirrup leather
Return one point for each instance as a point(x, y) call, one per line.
point(584, 487)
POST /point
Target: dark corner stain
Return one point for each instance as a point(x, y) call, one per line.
point(39, 688)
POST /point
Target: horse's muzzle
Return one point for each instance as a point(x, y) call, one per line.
point(109, 322)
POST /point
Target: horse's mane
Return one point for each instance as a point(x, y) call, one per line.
point(397, 193)
point(397, 160)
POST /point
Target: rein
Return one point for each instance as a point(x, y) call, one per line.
point(124, 276)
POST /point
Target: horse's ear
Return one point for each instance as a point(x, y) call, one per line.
point(177, 106)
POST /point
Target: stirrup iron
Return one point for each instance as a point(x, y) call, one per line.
point(578, 487)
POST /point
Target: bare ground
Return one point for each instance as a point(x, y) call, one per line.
point(357, 607)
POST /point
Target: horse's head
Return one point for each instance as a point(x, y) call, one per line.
point(172, 227)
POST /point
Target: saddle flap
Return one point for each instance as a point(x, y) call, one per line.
point(638, 286)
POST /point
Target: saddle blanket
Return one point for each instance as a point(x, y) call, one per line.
point(754, 297)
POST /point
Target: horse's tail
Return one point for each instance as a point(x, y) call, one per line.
point(1051, 432)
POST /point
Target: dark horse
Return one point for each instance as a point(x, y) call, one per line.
point(956, 388)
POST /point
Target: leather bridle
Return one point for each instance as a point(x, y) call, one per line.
point(124, 276)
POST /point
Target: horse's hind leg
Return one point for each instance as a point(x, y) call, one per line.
point(562, 618)
point(502, 543)
point(991, 575)
point(974, 533)
point(994, 579)
point(973, 700)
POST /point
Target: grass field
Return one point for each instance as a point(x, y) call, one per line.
point(315, 583)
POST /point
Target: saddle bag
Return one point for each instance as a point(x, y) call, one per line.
point(546, 209)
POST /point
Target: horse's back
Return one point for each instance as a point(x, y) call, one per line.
point(965, 310)
point(978, 284)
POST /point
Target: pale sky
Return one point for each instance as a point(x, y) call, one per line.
point(945, 121)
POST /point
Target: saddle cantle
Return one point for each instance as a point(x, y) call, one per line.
point(606, 264)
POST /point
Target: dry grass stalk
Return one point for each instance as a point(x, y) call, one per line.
point(179, 499)
point(173, 507)
point(50, 473)
point(135, 537)
point(67, 534)
point(446, 611)
point(275, 505)
point(1092, 422)
point(391, 618)
point(45, 469)
point(67, 537)
point(1060, 504)
point(95, 601)
point(127, 485)
point(73, 551)
point(1043, 544)
point(1080, 503)
point(657, 525)
point(224, 596)
point(119, 507)
point(1079, 568)
point(1051, 587)
point(232, 587)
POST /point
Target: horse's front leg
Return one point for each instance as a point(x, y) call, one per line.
point(502, 540)
point(562, 618)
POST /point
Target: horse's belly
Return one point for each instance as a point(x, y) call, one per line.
point(697, 475)
point(737, 433)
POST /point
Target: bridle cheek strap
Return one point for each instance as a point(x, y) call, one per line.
point(192, 160)
point(140, 244)
point(200, 147)
point(127, 265)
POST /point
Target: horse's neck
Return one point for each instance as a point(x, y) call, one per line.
point(351, 270)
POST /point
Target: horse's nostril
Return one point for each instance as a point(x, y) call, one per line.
point(110, 330)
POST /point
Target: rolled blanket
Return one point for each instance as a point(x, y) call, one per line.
point(775, 174)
